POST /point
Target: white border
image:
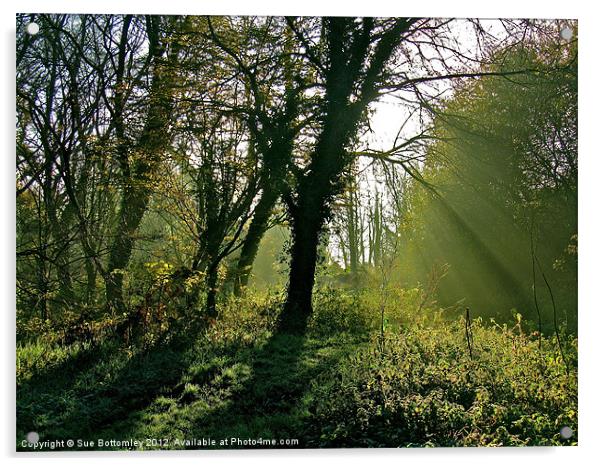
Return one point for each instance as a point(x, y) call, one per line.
point(590, 260)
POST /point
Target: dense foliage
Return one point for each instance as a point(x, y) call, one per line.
point(502, 214)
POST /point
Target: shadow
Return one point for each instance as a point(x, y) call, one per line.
point(99, 385)
point(268, 404)
point(242, 389)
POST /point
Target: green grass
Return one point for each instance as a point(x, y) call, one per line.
point(337, 386)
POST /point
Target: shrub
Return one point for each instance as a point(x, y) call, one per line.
point(424, 389)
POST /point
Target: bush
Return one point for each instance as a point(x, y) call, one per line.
point(336, 310)
point(424, 389)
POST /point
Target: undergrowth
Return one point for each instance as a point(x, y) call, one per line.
point(354, 380)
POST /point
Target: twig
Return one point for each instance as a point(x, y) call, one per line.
point(555, 321)
point(468, 328)
point(534, 284)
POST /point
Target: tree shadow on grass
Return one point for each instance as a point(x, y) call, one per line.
point(178, 389)
point(99, 385)
point(269, 402)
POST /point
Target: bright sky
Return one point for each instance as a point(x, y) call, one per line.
point(390, 113)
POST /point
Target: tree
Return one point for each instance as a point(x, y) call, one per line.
point(140, 159)
point(351, 69)
point(504, 167)
point(274, 85)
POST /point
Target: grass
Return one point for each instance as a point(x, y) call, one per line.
point(339, 386)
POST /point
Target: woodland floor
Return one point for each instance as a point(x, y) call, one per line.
point(334, 387)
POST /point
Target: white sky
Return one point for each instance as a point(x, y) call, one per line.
point(390, 113)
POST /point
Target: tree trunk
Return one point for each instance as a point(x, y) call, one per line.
point(133, 207)
point(137, 183)
point(353, 234)
point(257, 228)
point(211, 308)
point(42, 302)
point(309, 215)
point(90, 281)
point(60, 231)
point(304, 253)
